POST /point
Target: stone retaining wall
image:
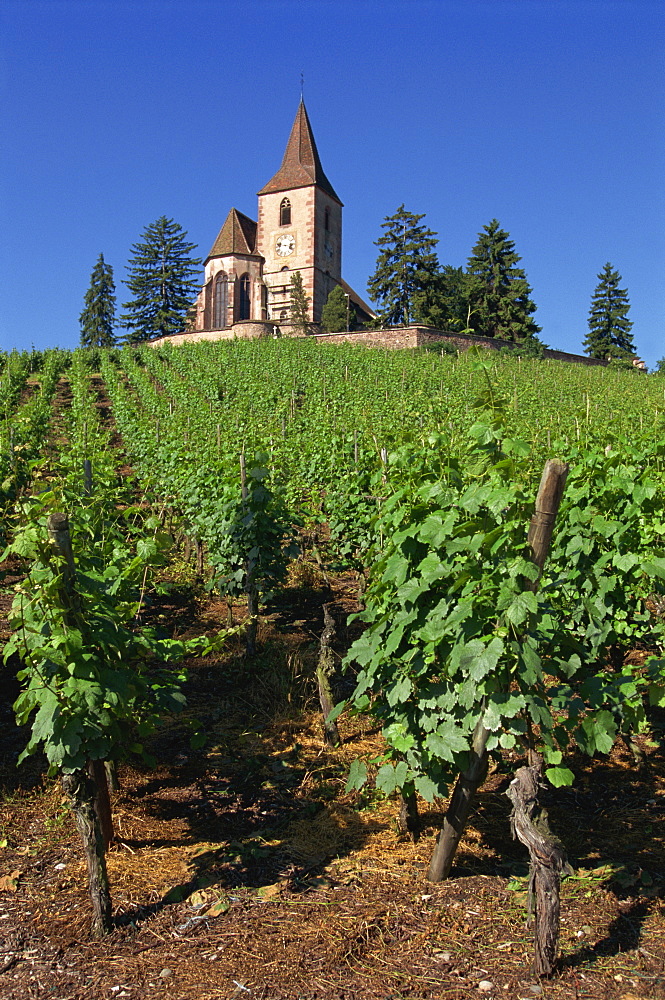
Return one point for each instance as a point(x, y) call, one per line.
point(419, 336)
point(396, 337)
point(251, 330)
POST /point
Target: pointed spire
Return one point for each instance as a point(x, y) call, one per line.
point(301, 166)
point(237, 235)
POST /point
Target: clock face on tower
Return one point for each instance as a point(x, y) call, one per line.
point(285, 245)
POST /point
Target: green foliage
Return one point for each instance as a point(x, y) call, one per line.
point(162, 280)
point(531, 347)
point(351, 508)
point(499, 301)
point(607, 554)
point(24, 429)
point(623, 364)
point(454, 299)
point(338, 313)
point(250, 539)
point(93, 685)
point(432, 493)
point(299, 307)
point(455, 635)
point(609, 333)
point(98, 317)
point(405, 281)
point(451, 503)
point(247, 540)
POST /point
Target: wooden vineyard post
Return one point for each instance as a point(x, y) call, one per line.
point(548, 860)
point(250, 571)
point(83, 787)
point(87, 477)
point(550, 492)
point(324, 672)
point(549, 496)
point(58, 531)
point(384, 463)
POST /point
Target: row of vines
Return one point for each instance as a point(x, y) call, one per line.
point(95, 680)
point(424, 470)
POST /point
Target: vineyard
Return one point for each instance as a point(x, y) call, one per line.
point(331, 671)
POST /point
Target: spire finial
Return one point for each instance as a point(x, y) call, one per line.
point(302, 85)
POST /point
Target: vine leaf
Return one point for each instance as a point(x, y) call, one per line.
point(357, 776)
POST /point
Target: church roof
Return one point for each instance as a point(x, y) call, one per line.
point(237, 235)
point(355, 298)
point(301, 166)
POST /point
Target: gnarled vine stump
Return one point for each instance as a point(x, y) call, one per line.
point(548, 860)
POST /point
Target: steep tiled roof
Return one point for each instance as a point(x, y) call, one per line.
point(301, 166)
point(237, 235)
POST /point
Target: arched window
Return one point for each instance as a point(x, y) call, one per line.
point(285, 212)
point(244, 300)
point(221, 301)
point(326, 219)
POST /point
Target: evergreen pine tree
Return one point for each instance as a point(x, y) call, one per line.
point(404, 284)
point(454, 299)
point(338, 313)
point(299, 314)
point(609, 333)
point(163, 280)
point(499, 299)
point(98, 317)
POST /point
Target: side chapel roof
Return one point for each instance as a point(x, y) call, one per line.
point(355, 298)
point(301, 166)
point(237, 235)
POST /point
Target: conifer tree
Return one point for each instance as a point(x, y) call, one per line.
point(163, 282)
point(454, 299)
point(499, 300)
point(338, 313)
point(299, 313)
point(98, 317)
point(404, 283)
point(609, 333)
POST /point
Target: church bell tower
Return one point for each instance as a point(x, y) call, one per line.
point(299, 226)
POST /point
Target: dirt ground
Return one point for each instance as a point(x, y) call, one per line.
point(244, 870)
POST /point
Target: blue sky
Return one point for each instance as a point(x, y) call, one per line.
point(545, 114)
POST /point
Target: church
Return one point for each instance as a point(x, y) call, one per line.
point(299, 228)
